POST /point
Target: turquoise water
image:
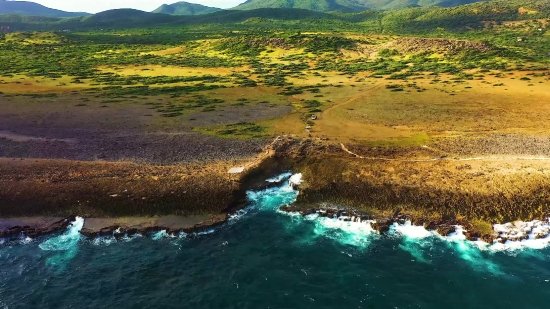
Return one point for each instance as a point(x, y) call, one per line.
point(265, 259)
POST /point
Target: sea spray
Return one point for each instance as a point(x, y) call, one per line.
point(521, 235)
point(295, 180)
point(67, 240)
point(279, 178)
point(358, 234)
point(65, 244)
point(161, 235)
point(271, 199)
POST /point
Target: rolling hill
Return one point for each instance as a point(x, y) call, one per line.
point(185, 8)
point(348, 5)
point(409, 20)
point(33, 9)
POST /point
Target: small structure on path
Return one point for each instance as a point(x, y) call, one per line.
point(237, 170)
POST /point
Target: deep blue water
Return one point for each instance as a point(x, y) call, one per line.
point(265, 259)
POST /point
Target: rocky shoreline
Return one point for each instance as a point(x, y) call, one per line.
point(502, 233)
point(129, 197)
point(33, 227)
point(383, 224)
point(13, 228)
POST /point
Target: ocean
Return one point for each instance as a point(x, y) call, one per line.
point(263, 258)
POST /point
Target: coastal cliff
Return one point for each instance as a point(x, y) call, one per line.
point(384, 183)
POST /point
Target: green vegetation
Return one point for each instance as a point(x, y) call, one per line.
point(303, 58)
point(346, 5)
point(185, 8)
point(237, 130)
point(430, 21)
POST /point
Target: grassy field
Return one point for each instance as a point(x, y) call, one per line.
point(365, 89)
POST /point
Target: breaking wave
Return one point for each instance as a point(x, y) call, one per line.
point(510, 238)
point(65, 245)
point(513, 238)
point(279, 178)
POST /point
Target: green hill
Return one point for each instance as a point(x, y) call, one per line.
point(313, 5)
point(348, 5)
point(33, 9)
point(234, 16)
point(185, 8)
point(120, 18)
point(420, 20)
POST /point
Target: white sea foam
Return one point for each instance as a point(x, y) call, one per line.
point(127, 238)
point(162, 235)
point(521, 235)
point(295, 180)
point(66, 245)
point(358, 234)
point(67, 240)
point(238, 215)
point(25, 240)
point(511, 236)
point(279, 178)
point(410, 231)
point(206, 232)
point(104, 241)
point(416, 239)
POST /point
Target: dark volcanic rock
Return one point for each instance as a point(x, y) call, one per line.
point(35, 227)
point(488, 238)
point(300, 210)
point(430, 226)
point(445, 230)
point(473, 236)
point(382, 226)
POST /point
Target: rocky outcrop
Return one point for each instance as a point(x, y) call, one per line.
point(382, 226)
point(32, 227)
point(120, 227)
point(445, 230)
point(416, 45)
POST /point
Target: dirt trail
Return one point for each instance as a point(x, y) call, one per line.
point(333, 125)
point(524, 158)
point(262, 156)
point(351, 100)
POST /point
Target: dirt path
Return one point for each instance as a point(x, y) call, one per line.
point(268, 153)
point(350, 100)
point(331, 124)
point(524, 158)
point(257, 160)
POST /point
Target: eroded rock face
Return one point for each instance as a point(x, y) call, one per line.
point(487, 238)
point(474, 236)
point(32, 227)
point(301, 211)
point(173, 225)
point(445, 230)
point(382, 226)
point(415, 45)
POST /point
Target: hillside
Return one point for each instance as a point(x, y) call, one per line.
point(185, 8)
point(416, 20)
point(33, 9)
point(313, 5)
point(124, 18)
point(348, 5)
